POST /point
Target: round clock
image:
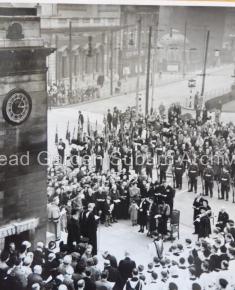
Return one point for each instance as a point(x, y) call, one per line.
point(16, 107)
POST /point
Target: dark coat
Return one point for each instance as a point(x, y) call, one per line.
point(89, 284)
point(113, 261)
point(113, 273)
point(73, 232)
point(142, 213)
point(89, 228)
point(126, 267)
point(204, 227)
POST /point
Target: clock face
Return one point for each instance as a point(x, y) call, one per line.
point(17, 107)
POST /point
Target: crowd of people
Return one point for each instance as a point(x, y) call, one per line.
point(207, 263)
point(60, 94)
point(132, 170)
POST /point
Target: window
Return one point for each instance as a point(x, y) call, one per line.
point(64, 66)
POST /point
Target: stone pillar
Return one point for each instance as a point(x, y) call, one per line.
point(23, 119)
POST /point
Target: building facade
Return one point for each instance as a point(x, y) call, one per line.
point(82, 37)
point(23, 127)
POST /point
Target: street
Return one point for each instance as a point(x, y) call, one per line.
point(218, 82)
point(123, 232)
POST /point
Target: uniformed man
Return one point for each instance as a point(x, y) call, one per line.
point(208, 176)
point(225, 184)
point(149, 162)
point(178, 171)
point(163, 168)
point(170, 195)
point(193, 175)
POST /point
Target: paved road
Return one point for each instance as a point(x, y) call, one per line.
point(217, 82)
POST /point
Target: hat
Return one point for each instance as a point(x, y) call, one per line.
point(188, 241)
point(62, 287)
point(40, 245)
point(75, 255)
point(107, 263)
point(223, 282)
point(51, 256)
point(69, 270)
point(35, 286)
point(81, 283)
point(27, 244)
point(164, 273)
point(154, 275)
point(60, 277)
point(67, 259)
point(27, 261)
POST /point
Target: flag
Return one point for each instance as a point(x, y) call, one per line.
point(88, 127)
point(79, 134)
point(74, 129)
point(68, 133)
point(56, 135)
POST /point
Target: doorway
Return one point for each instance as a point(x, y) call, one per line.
point(17, 239)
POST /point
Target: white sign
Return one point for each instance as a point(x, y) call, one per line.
point(173, 67)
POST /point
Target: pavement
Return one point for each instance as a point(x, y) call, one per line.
point(122, 236)
point(218, 81)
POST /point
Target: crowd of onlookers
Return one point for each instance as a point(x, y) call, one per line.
point(205, 264)
point(122, 173)
point(61, 94)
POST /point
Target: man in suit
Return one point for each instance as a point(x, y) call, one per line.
point(126, 267)
point(73, 230)
point(61, 150)
point(113, 273)
point(109, 119)
point(113, 261)
point(88, 225)
point(80, 120)
point(103, 284)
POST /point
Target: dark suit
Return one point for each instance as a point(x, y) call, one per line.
point(73, 232)
point(89, 284)
point(113, 260)
point(88, 229)
point(126, 267)
point(113, 273)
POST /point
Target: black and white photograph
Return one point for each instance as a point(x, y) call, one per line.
point(117, 146)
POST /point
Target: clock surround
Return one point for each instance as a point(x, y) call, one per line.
point(17, 107)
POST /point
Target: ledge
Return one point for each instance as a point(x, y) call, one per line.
point(30, 42)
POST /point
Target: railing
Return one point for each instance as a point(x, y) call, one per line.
point(189, 102)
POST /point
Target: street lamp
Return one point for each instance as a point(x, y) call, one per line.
point(191, 85)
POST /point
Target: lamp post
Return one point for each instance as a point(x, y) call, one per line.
point(148, 71)
point(70, 58)
point(138, 64)
point(184, 49)
point(205, 63)
point(111, 63)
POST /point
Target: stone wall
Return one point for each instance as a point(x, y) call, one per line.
point(23, 188)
